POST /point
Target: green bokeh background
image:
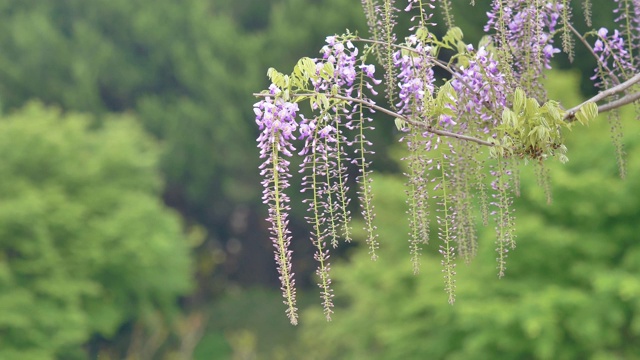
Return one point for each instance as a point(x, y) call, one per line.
point(131, 225)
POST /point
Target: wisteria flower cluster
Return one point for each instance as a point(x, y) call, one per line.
point(628, 12)
point(324, 156)
point(526, 31)
point(276, 119)
point(323, 164)
point(614, 59)
point(415, 77)
point(618, 57)
point(481, 89)
point(491, 97)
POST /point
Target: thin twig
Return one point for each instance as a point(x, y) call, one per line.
point(586, 44)
point(441, 64)
point(382, 43)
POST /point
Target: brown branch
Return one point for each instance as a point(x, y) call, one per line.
point(382, 43)
point(441, 64)
point(571, 113)
point(421, 124)
point(411, 121)
point(628, 99)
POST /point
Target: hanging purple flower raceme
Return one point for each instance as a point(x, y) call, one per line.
point(348, 115)
point(321, 184)
point(481, 90)
point(613, 55)
point(446, 218)
point(502, 212)
point(529, 27)
point(550, 17)
point(418, 192)
point(526, 28)
point(276, 120)
point(425, 9)
point(415, 77)
point(615, 64)
point(629, 19)
point(341, 56)
point(323, 166)
point(358, 123)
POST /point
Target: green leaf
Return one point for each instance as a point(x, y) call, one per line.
point(553, 109)
point(532, 107)
point(422, 34)
point(587, 113)
point(485, 42)
point(308, 65)
point(302, 98)
point(327, 71)
point(453, 36)
point(591, 109)
point(276, 77)
point(322, 101)
point(519, 99)
point(446, 95)
point(509, 118)
point(335, 88)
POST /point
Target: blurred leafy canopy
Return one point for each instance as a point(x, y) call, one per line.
point(186, 68)
point(86, 246)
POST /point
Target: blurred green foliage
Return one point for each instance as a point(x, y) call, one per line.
point(183, 67)
point(87, 252)
point(188, 69)
point(572, 288)
point(86, 246)
point(250, 323)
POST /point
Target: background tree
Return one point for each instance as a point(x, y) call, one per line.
point(86, 247)
point(187, 70)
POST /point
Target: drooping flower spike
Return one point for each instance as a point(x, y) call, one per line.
point(492, 97)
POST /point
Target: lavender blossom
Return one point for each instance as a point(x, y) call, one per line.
point(527, 29)
point(629, 20)
point(277, 121)
point(481, 89)
point(613, 54)
point(415, 78)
